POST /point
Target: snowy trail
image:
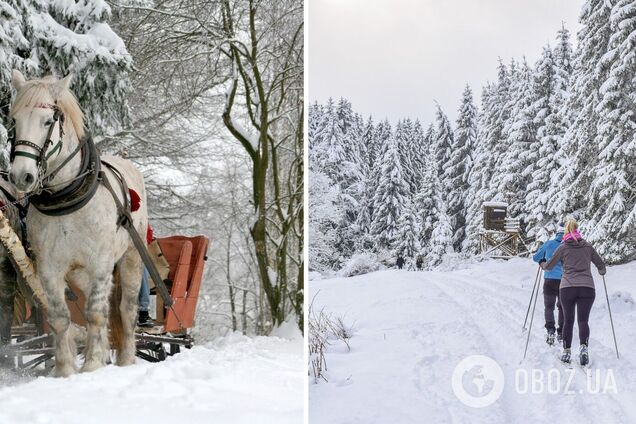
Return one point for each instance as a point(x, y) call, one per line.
point(233, 380)
point(411, 329)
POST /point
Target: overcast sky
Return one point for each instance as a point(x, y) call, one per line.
point(394, 58)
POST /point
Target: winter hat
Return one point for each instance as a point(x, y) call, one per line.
point(560, 227)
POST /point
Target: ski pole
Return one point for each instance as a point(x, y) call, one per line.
point(530, 328)
point(611, 320)
point(536, 281)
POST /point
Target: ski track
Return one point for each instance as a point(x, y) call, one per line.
point(474, 311)
point(490, 322)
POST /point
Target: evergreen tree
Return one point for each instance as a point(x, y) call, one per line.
point(425, 201)
point(541, 223)
point(330, 153)
point(408, 239)
point(363, 221)
point(520, 131)
point(389, 199)
point(481, 171)
point(41, 38)
point(442, 141)
point(441, 242)
point(611, 203)
point(418, 150)
point(577, 153)
point(459, 165)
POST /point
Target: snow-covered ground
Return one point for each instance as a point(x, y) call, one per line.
point(232, 380)
point(411, 330)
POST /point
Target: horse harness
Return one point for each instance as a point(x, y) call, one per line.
point(42, 155)
point(82, 188)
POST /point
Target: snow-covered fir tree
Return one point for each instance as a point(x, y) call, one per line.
point(459, 165)
point(540, 223)
point(58, 38)
point(389, 200)
point(611, 202)
point(577, 153)
point(408, 244)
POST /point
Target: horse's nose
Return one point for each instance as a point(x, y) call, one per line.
point(12, 179)
point(28, 178)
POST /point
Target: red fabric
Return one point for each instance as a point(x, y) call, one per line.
point(149, 234)
point(135, 200)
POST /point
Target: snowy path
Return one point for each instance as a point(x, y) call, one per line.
point(234, 380)
point(411, 329)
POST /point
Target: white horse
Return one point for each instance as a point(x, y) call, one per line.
point(86, 247)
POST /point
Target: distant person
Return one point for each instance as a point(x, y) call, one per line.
point(551, 285)
point(419, 262)
point(400, 262)
point(577, 291)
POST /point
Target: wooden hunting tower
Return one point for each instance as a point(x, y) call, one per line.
point(500, 235)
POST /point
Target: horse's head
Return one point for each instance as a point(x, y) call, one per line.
point(41, 110)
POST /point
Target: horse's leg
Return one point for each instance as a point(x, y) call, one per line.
point(97, 346)
point(130, 271)
point(59, 318)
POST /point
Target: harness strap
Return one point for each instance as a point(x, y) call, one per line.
point(126, 221)
point(42, 157)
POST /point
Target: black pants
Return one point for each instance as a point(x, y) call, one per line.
point(582, 299)
point(550, 298)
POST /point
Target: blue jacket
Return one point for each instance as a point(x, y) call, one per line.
point(545, 252)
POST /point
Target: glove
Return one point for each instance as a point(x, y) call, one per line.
point(602, 271)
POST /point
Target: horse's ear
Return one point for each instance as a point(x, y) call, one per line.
point(61, 85)
point(17, 79)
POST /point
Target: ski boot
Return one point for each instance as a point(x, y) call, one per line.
point(550, 338)
point(559, 338)
point(583, 355)
point(566, 357)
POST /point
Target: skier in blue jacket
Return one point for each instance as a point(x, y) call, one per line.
point(551, 285)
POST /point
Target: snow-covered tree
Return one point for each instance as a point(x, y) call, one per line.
point(389, 199)
point(441, 242)
point(578, 150)
point(324, 216)
point(611, 202)
point(408, 239)
point(42, 38)
point(518, 161)
point(458, 167)
point(443, 141)
point(540, 223)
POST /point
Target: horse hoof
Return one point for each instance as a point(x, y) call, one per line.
point(91, 366)
point(125, 360)
point(63, 371)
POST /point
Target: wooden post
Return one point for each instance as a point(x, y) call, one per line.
point(12, 243)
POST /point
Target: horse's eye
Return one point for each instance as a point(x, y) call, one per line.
point(48, 122)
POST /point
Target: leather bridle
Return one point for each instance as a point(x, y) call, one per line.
point(42, 154)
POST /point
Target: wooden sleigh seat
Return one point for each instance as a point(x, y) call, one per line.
point(186, 257)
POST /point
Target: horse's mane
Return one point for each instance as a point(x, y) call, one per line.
point(37, 91)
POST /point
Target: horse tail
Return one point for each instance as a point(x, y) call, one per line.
point(115, 322)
